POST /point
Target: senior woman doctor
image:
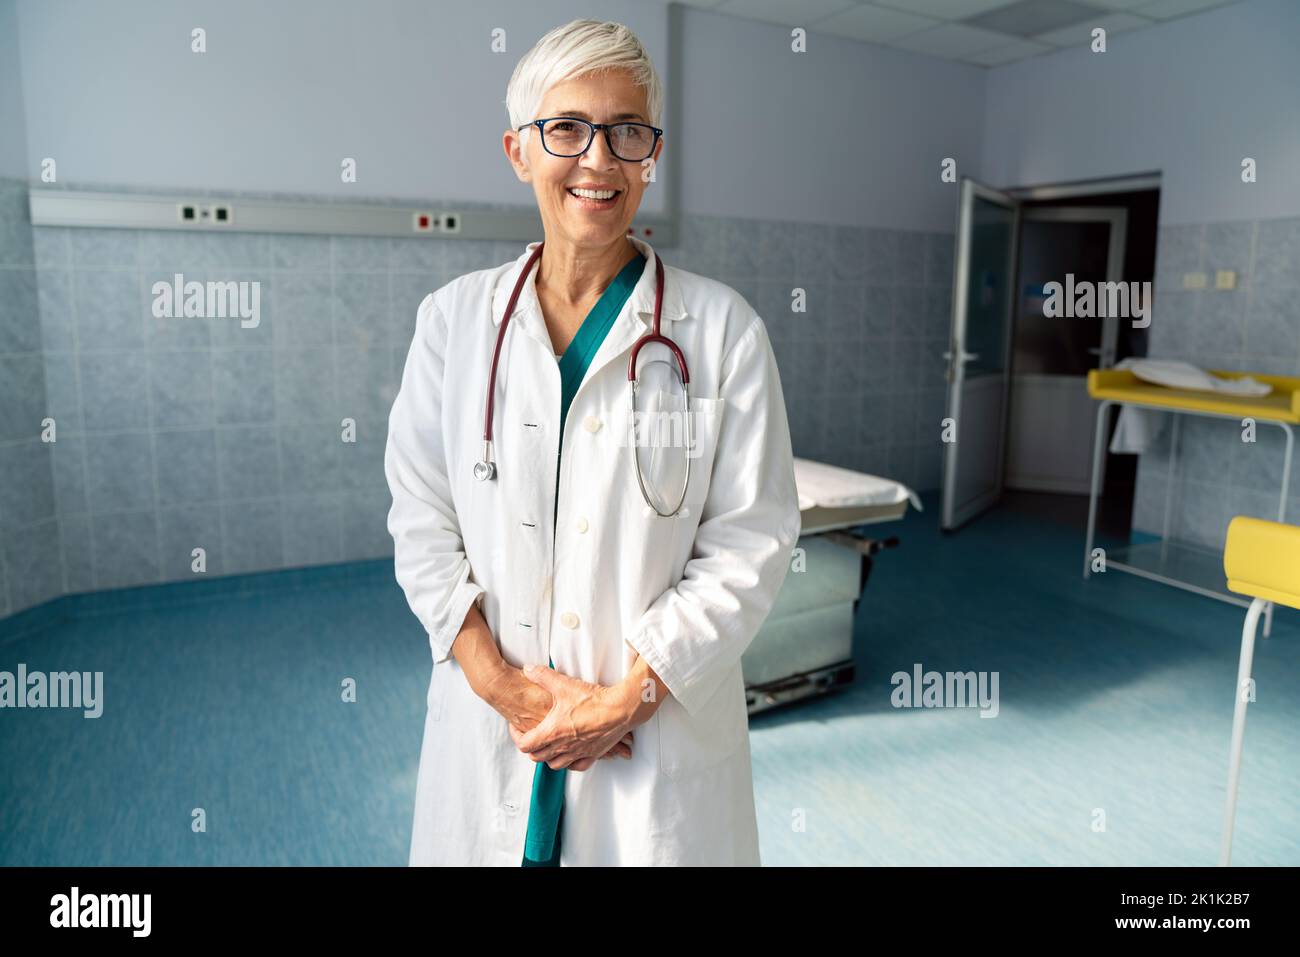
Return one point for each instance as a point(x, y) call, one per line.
point(586, 705)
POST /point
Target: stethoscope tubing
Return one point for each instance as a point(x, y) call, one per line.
point(486, 468)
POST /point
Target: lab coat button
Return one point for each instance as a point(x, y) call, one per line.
point(582, 525)
point(569, 620)
point(591, 424)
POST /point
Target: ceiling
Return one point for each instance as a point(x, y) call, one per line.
point(983, 32)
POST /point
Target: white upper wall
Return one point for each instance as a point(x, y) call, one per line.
point(1189, 98)
point(13, 125)
point(845, 133)
point(411, 89)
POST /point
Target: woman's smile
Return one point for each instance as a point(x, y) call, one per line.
point(594, 200)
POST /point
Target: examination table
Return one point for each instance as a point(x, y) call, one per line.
point(805, 647)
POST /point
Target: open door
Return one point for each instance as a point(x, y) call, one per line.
point(1050, 357)
point(979, 352)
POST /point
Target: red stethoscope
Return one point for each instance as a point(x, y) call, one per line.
point(486, 469)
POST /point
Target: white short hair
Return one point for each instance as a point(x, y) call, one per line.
point(573, 50)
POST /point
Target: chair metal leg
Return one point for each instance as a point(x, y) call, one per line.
point(1239, 725)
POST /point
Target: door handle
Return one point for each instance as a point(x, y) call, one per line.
point(962, 356)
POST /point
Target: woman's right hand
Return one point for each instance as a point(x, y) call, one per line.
point(524, 704)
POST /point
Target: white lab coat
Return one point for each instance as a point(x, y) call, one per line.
point(607, 580)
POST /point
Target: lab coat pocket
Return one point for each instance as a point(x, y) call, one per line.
point(692, 743)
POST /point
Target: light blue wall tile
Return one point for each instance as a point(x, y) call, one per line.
point(300, 253)
point(181, 531)
point(110, 310)
point(306, 389)
point(243, 386)
point(814, 254)
point(883, 247)
point(355, 254)
point(22, 396)
point(909, 312)
point(407, 292)
point(1277, 253)
point(313, 530)
point(26, 485)
point(777, 249)
point(309, 458)
point(361, 310)
point(361, 463)
point(16, 244)
point(848, 253)
point(1258, 465)
point(876, 360)
point(425, 257)
point(51, 246)
point(937, 312)
point(105, 247)
point(251, 536)
point(1218, 328)
point(251, 325)
point(364, 517)
point(367, 386)
point(186, 467)
point(303, 311)
point(68, 467)
point(35, 568)
point(845, 312)
point(126, 549)
point(20, 321)
point(1178, 252)
point(1229, 246)
point(62, 393)
point(54, 302)
point(939, 258)
point(78, 553)
point(114, 391)
point(249, 462)
point(173, 329)
point(912, 255)
point(1272, 326)
point(181, 384)
point(119, 471)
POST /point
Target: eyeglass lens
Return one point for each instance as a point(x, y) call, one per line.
point(569, 137)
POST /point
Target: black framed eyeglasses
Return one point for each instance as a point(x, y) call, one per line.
point(569, 136)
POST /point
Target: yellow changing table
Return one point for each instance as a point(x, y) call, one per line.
point(1185, 566)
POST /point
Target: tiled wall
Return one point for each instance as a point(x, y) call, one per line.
point(183, 433)
point(1254, 327)
point(861, 369)
point(30, 564)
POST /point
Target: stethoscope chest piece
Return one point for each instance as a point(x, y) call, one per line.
point(484, 471)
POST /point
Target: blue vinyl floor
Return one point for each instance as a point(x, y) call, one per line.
point(1110, 746)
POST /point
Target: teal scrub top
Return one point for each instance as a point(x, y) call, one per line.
point(546, 810)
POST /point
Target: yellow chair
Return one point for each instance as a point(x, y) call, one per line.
point(1262, 560)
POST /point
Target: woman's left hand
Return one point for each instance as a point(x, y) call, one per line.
point(585, 721)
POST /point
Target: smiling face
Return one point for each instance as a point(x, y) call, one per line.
point(592, 222)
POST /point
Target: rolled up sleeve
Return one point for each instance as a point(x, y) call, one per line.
point(428, 551)
point(696, 631)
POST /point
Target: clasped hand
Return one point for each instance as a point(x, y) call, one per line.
point(583, 723)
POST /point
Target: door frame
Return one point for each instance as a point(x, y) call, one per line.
point(951, 517)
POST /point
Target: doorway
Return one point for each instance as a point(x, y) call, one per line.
point(1019, 402)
